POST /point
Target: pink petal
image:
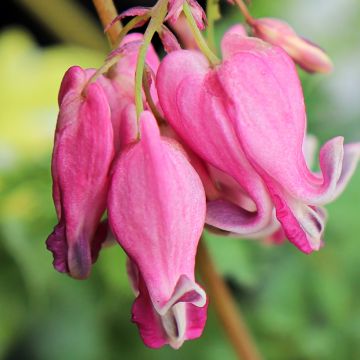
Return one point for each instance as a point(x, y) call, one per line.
point(235, 40)
point(265, 91)
point(182, 321)
point(82, 155)
point(192, 103)
point(168, 40)
point(163, 212)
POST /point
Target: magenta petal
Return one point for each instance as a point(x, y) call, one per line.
point(56, 243)
point(82, 155)
point(163, 212)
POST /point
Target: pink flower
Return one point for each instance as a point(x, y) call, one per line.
point(306, 54)
point(192, 99)
point(247, 118)
point(156, 211)
point(82, 155)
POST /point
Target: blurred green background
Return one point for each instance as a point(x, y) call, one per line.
point(297, 306)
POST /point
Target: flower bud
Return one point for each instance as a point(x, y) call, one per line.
point(306, 54)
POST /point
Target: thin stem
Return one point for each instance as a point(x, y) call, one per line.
point(245, 11)
point(148, 96)
point(200, 41)
point(130, 25)
point(212, 14)
point(107, 12)
point(225, 306)
point(157, 18)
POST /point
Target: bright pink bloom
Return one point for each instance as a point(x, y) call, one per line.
point(156, 211)
point(241, 117)
point(192, 99)
point(82, 155)
point(306, 54)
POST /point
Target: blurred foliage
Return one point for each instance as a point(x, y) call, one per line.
point(297, 306)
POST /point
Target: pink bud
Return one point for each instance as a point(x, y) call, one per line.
point(175, 9)
point(82, 155)
point(306, 54)
point(157, 211)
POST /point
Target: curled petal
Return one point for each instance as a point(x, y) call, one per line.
point(182, 319)
point(307, 55)
point(134, 11)
point(168, 40)
point(272, 117)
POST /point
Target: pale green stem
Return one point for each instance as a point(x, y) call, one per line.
point(212, 14)
point(200, 41)
point(157, 18)
point(130, 25)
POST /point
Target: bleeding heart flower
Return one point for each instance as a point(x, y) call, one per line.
point(82, 155)
point(193, 102)
point(156, 211)
point(242, 117)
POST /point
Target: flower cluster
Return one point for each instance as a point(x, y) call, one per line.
point(216, 142)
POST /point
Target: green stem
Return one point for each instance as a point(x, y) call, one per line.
point(200, 41)
point(157, 18)
point(130, 25)
point(212, 14)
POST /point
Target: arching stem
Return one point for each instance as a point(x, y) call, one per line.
point(227, 310)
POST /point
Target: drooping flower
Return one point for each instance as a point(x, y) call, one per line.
point(83, 151)
point(192, 100)
point(241, 117)
point(156, 211)
point(306, 54)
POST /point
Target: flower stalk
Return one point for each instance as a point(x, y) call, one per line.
point(226, 309)
point(107, 12)
point(157, 18)
point(200, 41)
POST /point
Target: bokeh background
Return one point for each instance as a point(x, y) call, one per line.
point(297, 306)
